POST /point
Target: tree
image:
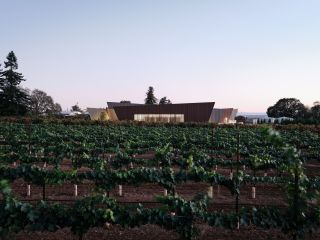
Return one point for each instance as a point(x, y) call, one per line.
point(76, 108)
point(287, 107)
point(315, 111)
point(151, 99)
point(41, 103)
point(1, 79)
point(240, 119)
point(57, 108)
point(14, 100)
point(1, 91)
point(164, 100)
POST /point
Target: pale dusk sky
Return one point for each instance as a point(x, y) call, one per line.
point(242, 54)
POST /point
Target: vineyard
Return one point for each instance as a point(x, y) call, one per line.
point(178, 177)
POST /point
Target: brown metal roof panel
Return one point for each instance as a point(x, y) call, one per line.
point(193, 112)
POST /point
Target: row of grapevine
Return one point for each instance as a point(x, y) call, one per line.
point(189, 155)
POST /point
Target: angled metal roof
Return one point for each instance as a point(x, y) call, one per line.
point(193, 112)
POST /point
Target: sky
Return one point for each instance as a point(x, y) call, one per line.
point(244, 54)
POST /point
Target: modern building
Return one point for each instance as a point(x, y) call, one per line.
point(182, 112)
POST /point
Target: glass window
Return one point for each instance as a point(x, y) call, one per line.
point(159, 117)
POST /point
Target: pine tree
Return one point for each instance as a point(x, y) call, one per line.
point(1, 80)
point(13, 99)
point(151, 99)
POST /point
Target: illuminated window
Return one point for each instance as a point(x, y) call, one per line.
point(159, 117)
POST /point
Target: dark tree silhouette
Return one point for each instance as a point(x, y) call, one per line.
point(287, 107)
point(240, 119)
point(41, 103)
point(315, 111)
point(14, 100)
point(151, 99)
point(1, 79)
point(76, 108)
point(164, 100)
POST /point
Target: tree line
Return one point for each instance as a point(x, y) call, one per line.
point(293, 108)
point(16, 100)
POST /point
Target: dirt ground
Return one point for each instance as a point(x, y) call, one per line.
point(156, 233)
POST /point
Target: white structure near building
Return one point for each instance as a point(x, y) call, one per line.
point(223, 115)
point(70, 113)
point(255, 118)
point(96, 113)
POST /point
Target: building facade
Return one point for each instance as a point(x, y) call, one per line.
point(182, 112)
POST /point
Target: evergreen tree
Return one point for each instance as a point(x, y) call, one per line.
point(1, 81)
point(13, 99)
point(1, 72)
point(151, 99)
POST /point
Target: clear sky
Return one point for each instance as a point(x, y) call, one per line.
point(243, 54)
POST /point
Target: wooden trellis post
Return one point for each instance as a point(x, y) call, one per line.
point(120, 191)
point(28, 190)
point(75, 186)
point(210, 192)
point(165, 192)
